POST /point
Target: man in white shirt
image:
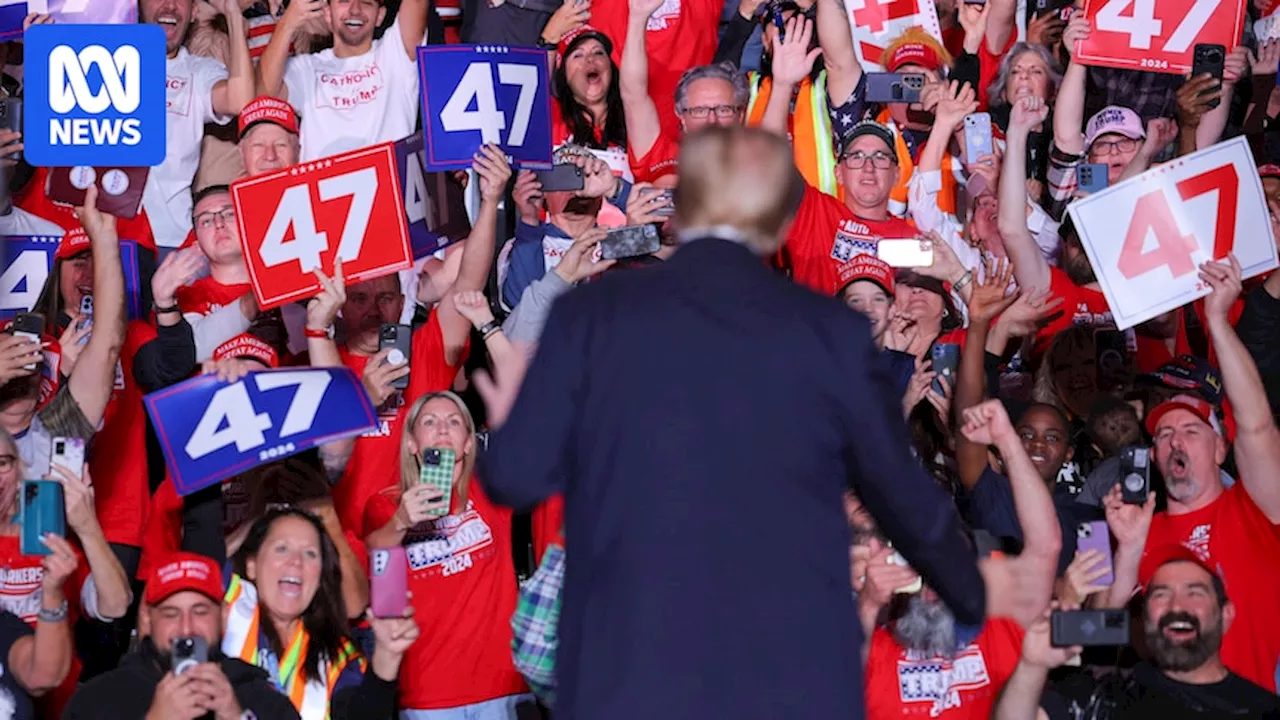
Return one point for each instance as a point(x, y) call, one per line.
point(199, 90)
point(361, 92)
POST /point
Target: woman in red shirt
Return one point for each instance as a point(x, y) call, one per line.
point(461, 572)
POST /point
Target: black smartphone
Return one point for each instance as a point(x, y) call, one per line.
point(188, 652)
point(894, 87)
point(1209, 59)
point(398, 339)
point(1135, 475)
point(1112, 354)
point(1089, 628)
point(30, 326)
point(629, 241)
point(561, 178)
point(11, 119)
point(946, 361)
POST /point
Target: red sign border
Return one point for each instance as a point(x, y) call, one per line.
point(1173, 69)
point(387, 149)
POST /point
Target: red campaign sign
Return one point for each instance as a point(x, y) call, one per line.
point(300, 218)
point(1157, 35)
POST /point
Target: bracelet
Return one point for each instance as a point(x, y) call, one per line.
point(167, 310)
point(325, 334)
point(51, 615)
point(965, 279)
point(490, 328)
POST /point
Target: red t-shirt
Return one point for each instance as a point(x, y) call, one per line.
point(21, 594)
point(827, 234)
point(464, 593)
point(900, 684)
point(1085, 306)
point(662, 159)
point(206, 295)
point(118, 463)
point(546, 525)
point(375, 461)
point(1236, 538)
point(681, 34)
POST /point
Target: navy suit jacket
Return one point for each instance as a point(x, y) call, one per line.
point(703, 418)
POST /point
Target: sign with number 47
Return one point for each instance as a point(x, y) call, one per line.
point(297, 219)
point(1157, 35)
point(1182, 214)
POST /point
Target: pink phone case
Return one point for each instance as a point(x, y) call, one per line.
point(388, 582)
point(1096, 536)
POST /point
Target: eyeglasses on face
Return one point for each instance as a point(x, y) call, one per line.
point(701, 112)
point(1111, 147)
point(880, 160)
point(206, 220)
point(7, 463)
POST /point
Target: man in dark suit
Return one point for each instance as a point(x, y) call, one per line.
point(703, 418)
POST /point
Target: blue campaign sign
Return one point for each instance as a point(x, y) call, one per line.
point(434, 207)
point(13, 12)
point(474, 94)
point(28, 260)
point(98, 99)
point(210, 430)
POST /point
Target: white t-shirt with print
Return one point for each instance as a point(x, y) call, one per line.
point(354, 102)
point(20, 223)
point(189, 99)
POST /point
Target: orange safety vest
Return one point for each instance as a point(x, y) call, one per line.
point(809, 124)
point(952, 174)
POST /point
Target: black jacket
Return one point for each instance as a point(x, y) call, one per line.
point(703, 419)
point(126, 692)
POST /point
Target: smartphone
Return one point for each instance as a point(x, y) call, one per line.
point(1209, 59)
point(905, 252)
point(188, 652)
point(86, 311)
point(1112, 354)
point(11, 119)
point(30, 326)
point(1091, 177)
point(69, 453)
point(977, 137)
point(946, 362)
point(1095, 536)
point(894, 87)
point(398, 338)
point(915, 587)
point(629, 241)
point(388, 582)
point(1135, 475)
point(42, 512)
point(437, 471)
point(1089, 628)
point(669, 207)
point(561, 178)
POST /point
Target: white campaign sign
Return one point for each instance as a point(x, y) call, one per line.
point(1176, 216)
point(876, 23)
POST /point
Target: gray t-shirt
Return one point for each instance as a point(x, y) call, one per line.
point(1107, 474)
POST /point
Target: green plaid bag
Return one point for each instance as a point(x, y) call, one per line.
point(535, 624)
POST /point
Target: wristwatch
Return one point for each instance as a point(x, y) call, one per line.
point(50, 615)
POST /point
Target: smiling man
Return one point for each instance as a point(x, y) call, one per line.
point(198, 90)
point(360, 92)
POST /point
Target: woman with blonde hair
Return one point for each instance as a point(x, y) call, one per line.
point(461, 572)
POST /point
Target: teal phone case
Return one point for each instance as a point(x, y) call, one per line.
point(437, 471)
point(42, 512)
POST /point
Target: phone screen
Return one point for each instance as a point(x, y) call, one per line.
point(905, 253)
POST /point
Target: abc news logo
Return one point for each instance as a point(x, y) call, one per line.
point(95, 95)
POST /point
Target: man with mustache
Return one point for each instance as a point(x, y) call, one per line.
point(360, 92)
point(1187, 612)
point(199, 90)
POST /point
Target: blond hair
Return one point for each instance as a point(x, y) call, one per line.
point(411, 465)
point(743, 178)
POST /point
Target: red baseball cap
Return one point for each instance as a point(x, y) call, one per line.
point(913, 53)
point(184, 571)
point(268, 109)
point(865, 267)
point(1270, 170)
point(73, 243)
point(576, 37)
point(245, 345)
point(1199, 407)
point(1160, 556)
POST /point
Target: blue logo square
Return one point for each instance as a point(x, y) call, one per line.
point(94, 95)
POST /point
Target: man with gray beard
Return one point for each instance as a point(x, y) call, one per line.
point(919, 661)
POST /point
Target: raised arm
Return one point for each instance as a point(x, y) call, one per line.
point(1257, 442)
point(322, 310)
point(413, 25)
point(1068, 106)
point(1000, 24)
point(1030, 267)
point(792, 62)
point(988, 301)
point(835, 37)
point(955, 102)
point(91, 382)
point(644, 125)
point(106, 595)
point(269, 75)
point(233, 93)
point(477, 255)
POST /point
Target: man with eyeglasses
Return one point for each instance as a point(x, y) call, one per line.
point(828, 232)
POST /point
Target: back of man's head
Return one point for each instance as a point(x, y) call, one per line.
point(743, 178)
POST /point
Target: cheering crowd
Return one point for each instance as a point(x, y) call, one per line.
point(1021, 397)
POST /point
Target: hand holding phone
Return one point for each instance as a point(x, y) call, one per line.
point(905, 252)
point(945, 359)
point(436, 472)
point(1091, 177)
point(1135, 475)
point(1209, 60)
point(188, 652)
point(41, 513)
point(397, 340)
point(1096, 536)
point(1088, 628)
point(388, 582)
point(894, 87)
point(29, 326)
